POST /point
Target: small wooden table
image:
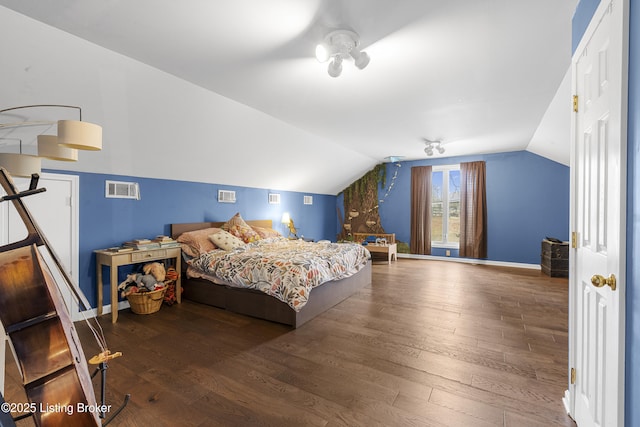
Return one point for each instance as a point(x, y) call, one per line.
point(117, 259)
point(390, 249)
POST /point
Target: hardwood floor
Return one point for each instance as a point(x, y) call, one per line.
point(429, 343)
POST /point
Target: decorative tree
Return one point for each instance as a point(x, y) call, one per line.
point(361, 204)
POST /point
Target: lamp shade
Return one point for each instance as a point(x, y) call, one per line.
point(80, 135)
point(286, 218)
point(20, 164)
point(48, 147)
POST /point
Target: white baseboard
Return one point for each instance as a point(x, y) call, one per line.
point(472, 261)
point(106, 309)
point(566, 401)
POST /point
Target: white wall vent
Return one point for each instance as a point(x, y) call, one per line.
point(274, 198)
point(308, 200)
point(226, 196)
point(122, 190)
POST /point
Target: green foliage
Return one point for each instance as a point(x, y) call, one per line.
point(403, 248)
point(377, 176)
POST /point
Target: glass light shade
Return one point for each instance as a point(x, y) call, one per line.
point(48, 147)
point(20, 164)
point(80, 135)
point(286, 218)
point(322, 53)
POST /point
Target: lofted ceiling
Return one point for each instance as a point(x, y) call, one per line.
point(480, 75)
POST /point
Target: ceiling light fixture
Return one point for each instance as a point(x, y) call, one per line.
point(73, 135)
point(433, 145)
point(339, 45)
point(394, 159)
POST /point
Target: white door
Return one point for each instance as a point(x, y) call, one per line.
point(598, 195)
point(55, 211)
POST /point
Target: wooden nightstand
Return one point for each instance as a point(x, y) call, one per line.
point(117, 259)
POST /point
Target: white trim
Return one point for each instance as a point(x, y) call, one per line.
point(566, 402)
point(451, 167)
point(106, 309)
point(445, 245)
point(619, 10)
point(74, 181)
point(446, 201)
point(472, 261)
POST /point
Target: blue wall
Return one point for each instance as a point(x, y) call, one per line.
point(522, 189)
point(527, 200)
point(581, 18)
point(110, 222)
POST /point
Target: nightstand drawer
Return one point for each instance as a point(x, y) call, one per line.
point(142, 255)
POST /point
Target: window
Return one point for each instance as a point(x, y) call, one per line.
point(445, 206)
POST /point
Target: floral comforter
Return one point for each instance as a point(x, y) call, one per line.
point(285, 269)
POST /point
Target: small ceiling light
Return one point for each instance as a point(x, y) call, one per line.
point(433, 145)
point(322, 53)
point(394, 159)
point(360, 59)
point(339, 45)
point(335, 67)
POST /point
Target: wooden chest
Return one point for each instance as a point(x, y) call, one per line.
point(554, 258)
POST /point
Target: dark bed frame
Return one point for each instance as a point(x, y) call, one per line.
point(257, 304)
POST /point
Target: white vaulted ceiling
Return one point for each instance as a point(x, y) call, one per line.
point(478, 74)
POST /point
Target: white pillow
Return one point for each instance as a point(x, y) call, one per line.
point(226, 241)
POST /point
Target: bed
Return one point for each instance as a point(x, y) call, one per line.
point(209, 288)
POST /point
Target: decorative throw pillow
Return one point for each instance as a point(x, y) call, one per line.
point(226, 241)
point(196, 243)
point(265, 233)
point(240, 229)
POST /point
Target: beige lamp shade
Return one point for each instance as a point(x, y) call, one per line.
point(48, 147)
point(20, 164)
point(80, 135)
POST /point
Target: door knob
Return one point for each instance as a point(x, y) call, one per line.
point(599, 281)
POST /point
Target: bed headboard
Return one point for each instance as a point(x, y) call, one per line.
point(178, 229)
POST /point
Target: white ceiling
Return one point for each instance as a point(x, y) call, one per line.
point(478, 74)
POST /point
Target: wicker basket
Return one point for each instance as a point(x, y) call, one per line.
point(146, 302)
